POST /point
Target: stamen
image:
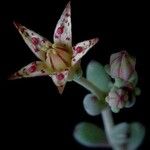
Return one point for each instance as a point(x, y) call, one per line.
point(54, 51)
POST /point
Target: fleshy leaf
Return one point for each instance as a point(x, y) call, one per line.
point(62, 33)
point(119, 134)
point(97, 75)
point(126, 135)
point(136, 136)
point(33, 69)
point(92, 105)
point(38, 44)
point(80, 49)
point(60, 80)
point(89, 135)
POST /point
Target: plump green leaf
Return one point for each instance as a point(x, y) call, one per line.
point(92, 105)
point(119, 134)
point(89, 135)
point(97, 75)
point(128, 135)
point(137, 133)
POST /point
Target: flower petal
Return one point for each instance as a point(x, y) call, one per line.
point(80, 49)
point(62, 33)
point(60, 80)
point(38, 44)
point(33, 69)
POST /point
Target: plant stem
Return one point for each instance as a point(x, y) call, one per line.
point(108, 122)
point(108, 125)
point(106, 113)
point(89, 86)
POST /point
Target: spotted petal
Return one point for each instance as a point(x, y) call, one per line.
point(38, 44)
point(33, 69)
point(80, 49)
point(62, 33)
point(60, 80)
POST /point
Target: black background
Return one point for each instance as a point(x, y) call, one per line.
point(33, 114)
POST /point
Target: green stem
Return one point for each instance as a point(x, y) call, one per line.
point(108, 123)
point(89, 86)
point(106, 113)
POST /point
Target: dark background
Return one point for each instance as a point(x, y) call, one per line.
point(33, 114)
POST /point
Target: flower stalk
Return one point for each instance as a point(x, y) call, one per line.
point(106, 113)
point(90, 87)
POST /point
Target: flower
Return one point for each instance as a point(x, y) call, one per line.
point(122, 65)
point(58, 60)
point(120, 97)
point(117, 99)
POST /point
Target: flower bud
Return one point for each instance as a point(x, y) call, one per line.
point(117, 99)
point(122, 65)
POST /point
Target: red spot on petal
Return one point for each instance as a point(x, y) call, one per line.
point(19, 26)
point(36, 50)
point(90, 42)
point(35, 40)
point(17, 74)
point(79, 49)
point(60, 76)
point(67, 15)
point(42, 71)
point(44, 40)
point(60, 30)
point(22, 29)
point(67, 38)
point(32, 69)
point(56, 37)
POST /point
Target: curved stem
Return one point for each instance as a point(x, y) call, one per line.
point(108, 122)
point(106, 113)
point(89, 86)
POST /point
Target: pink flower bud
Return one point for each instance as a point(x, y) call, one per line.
point(117, 99)
point(122, 65)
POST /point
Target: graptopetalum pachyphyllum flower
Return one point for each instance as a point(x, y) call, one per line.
point(61, 61)
point(58, 60)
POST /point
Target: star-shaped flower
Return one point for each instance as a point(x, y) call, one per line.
point(58, 59)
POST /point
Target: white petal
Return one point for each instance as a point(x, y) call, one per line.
point(60, 80)
point(38, 44)
point(33, 69)
point(80, 49)
point(62, 33)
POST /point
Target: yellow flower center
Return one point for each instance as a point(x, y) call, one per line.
point(54, 51)
point(58, 58)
